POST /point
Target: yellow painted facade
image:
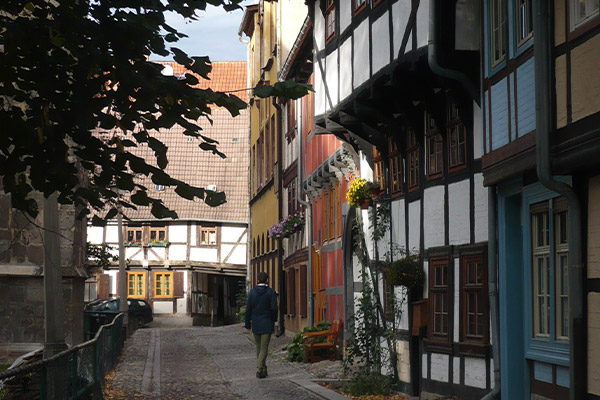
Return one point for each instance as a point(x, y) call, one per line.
point(585, 78)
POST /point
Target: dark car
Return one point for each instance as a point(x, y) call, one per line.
point(103, 310)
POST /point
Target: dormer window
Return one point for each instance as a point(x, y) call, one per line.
point(160, 188)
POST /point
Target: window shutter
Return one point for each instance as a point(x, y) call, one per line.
point(303, 297)
point(103, 286)
point(178, 283)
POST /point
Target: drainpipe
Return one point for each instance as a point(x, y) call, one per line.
point(308, 205)
point(493, 290)
point(278, 176)
point(543, 107)
point(436, 68)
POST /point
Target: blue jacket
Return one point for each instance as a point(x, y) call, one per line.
point(261, 310)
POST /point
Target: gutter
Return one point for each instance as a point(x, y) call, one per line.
point(543, 107)
point(436, 68)
point(278, 175)
point(493, 290)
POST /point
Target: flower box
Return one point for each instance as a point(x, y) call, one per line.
point(160, 243)
point(287, 226)
point(132, 244)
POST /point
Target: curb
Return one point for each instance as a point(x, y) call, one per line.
point(319, 390)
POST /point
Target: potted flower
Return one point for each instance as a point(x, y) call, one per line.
point(133, 243)
point(158, 243)
point(406, 271)
point(287, 226)
point(358, 194)
point(374, 189)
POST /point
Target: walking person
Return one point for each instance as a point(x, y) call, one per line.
point(261, 314)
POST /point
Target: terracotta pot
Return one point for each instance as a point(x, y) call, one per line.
point(365, 203)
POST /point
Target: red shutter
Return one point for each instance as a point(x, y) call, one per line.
point(303, 297)
point(178, 284)
point(103, 286)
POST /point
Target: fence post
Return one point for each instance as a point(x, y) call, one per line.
point(75, 376)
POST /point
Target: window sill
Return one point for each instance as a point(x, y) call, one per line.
point(473, 349)
point(438, 346)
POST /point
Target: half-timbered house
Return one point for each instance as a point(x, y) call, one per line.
point(196, 264)
point(541, 112)
point(397, 83)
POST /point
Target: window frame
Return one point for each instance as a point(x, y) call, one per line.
point(447, 290)
point(158, 230)
point(454, 123)
point(356, 9)
point(479, 287)
point(201, 229)
point(575, 24)
point(522, 40)
point(135, 274)
point(545, 349)
point(330, 29)
point(379, 168)
point(171, 288)
point(134, 230)
point(434, 138)
point(396, 168)
point(412, 157)
point(501, 29)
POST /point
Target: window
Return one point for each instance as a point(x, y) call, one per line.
point(135, 235)
point(358, 5)
point(473, 301)
point(136, 284)
point(498, 34)
point(435, 156)
point(273, 152)
point(207, 236)
point(439, 298)
point(291, 120)
point(524, 21)
point(396, 167)
point(549, 270)
point(379, 168)
point(329, 20)
point(412, 150)
point(91, 289)
point(163, 284)
point(158, 234)
point(161, 188)
point(456, 138)
point(582, 11)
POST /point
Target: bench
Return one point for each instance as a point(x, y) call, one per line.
point(312, 342)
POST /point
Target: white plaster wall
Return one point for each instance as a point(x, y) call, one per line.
point(440, 364)
point(182, 305)
point(161, 252)
point(112, 234)
point(162, 307)
point(233, 234)
point(458, 201)
point(456, 299)
point(423, 23)
point(477, 131)
point(399, 223)
point(475, 372)
point(238, 256)
point(400, 15)
point(114, 251)
point(433, 210)
point(134, 253)
point(456, 370)
point(346, 69)
point(403, 350)
point(345, 15)
point(319, 27)
point(202, 254)
point(194, 236)
point(177, 233)
point(481, 209)
point(94, 234)
point(424, 366)
point(381, 42)
point(177, 252)
point(112, 281)
point(291, 17)
point(319, 88)
point(414, 225)
point(152, 256)
point(361, 53)
point(331, 80)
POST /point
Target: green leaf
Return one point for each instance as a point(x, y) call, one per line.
point(158, 210)
point(140, 198)
point(215, 199)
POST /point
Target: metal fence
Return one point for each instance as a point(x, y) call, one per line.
point(72, 374)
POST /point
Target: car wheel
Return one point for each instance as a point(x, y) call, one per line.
point(140, 322)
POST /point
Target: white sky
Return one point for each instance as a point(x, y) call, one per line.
point(213, 34)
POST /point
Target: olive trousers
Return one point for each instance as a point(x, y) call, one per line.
point(262, 349)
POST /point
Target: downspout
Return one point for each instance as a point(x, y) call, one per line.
point(543, 119)
point(436, 68)
point(308, 205)
point(278, 175)
point(493, 290)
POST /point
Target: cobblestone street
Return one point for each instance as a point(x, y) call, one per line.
point(170, 359)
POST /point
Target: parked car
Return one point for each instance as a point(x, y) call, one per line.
point(104, 310)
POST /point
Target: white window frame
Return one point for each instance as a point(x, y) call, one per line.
point(575, 22)
point(524, 9)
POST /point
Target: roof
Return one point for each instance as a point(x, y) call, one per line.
point(226, 76)
point(247, 24)
point(197, 167)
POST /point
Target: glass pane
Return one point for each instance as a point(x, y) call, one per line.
point(161, 235)
point(565, 317)
point(130, 236)
point(138, 236)
point(152, 235)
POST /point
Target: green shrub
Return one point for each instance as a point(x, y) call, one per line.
point(363, 384)
point(295, 350)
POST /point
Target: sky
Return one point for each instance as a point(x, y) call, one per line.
point(213, 34)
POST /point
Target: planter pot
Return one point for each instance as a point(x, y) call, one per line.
point(365, 203)
point(375, 193)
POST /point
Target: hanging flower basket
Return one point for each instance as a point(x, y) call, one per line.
point(357, 192)
point(374, 189)
point(365, 203)
point(407, 272)
point(287, 226)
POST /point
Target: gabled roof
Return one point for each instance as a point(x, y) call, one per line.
point(247, 24)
